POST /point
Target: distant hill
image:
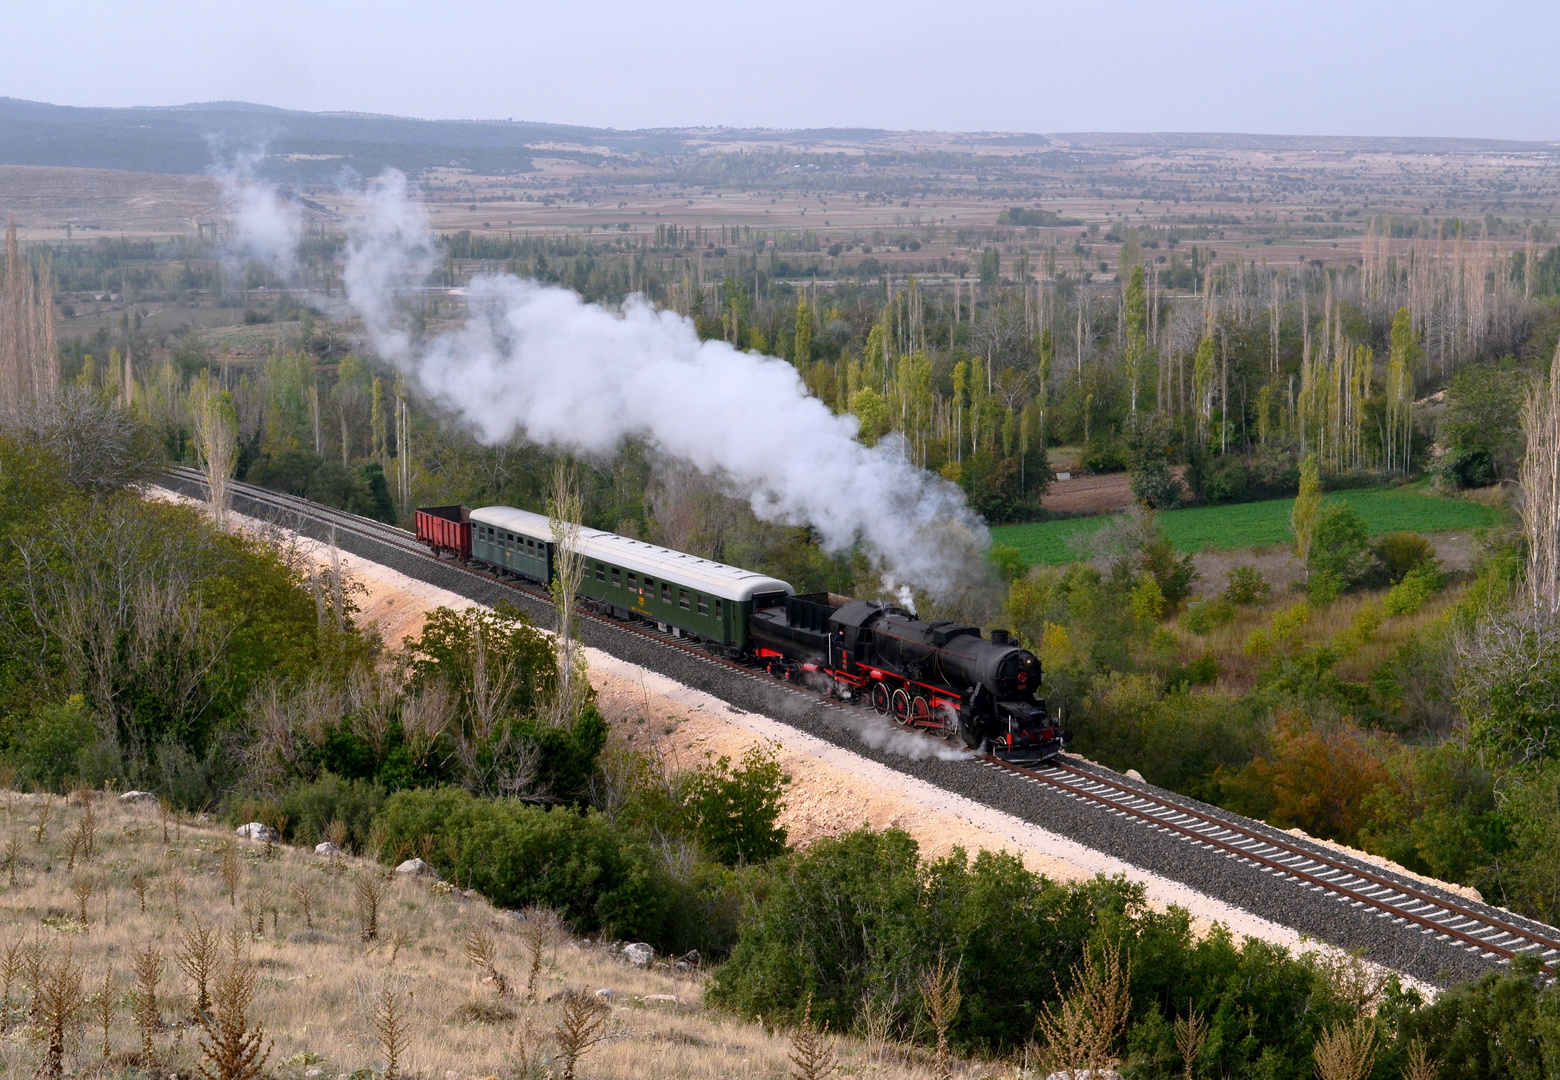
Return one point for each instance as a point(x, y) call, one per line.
point(305, 147)
point(1209, 140)
point(296, 146)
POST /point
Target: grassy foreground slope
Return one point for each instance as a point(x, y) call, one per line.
point(1223, 528)
point(320, 981)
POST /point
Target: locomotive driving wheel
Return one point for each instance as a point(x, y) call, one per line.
point(901, 706)
point(920, 712)
point(880, 698)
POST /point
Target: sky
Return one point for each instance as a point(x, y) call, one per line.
point(1315, 67)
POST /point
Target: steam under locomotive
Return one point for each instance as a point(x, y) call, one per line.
point(939, 677)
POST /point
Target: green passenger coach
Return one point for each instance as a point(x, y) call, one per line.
point(681, 593)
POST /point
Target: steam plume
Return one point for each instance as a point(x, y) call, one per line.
point(537, 359)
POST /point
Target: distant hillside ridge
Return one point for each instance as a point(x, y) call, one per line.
point(323, 147)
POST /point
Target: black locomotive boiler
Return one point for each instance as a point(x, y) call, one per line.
point(935, 676)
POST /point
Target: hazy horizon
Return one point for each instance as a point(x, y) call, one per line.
point(1329, 69)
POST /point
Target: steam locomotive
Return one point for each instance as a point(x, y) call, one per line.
point(934, 676)
point(938, 677)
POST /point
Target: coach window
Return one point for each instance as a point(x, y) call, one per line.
point(717, 610)
point(617, 578)
point(633, 580)
point(704, 604)
point(666, 593)
point(601, 572)
point(682, 599)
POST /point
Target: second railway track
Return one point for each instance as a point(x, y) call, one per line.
point(1404, 923)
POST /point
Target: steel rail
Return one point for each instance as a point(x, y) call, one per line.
point(1389, 897)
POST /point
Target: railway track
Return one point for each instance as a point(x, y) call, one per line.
point(1488, 933)
point(1389, 896)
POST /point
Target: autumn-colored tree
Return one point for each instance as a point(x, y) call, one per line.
point(1312, 778)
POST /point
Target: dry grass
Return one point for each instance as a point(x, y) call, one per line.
point(328, 1002)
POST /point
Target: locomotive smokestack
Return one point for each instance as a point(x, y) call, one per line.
point(999, 637)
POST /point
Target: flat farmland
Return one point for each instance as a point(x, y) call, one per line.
point(1249, 525)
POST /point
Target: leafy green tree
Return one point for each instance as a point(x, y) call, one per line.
point(1148, 462)
point(1307, 508)
point(54, 746)
point(801, 353)
point(1340, 545)
point(736, 811)
point(871, 410)
point(1482, 427)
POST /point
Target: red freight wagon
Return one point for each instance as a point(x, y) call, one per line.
point(445, 529)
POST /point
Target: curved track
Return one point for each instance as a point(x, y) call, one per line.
point(1441, 919)
point(1388, 895)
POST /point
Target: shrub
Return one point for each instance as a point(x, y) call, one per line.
point(1202, 617)
point(519, 855)
point(1340, 546)
point(1246, 586)
point(1324, 586)
point(1104, 454)
point(1410, 594)
point(735, 811)
point(57, 744)
point(311, 805)
point(861, 918)
point(1313, 778)
point(1503, 1024)
point(1148, 462)
point(1401, 552)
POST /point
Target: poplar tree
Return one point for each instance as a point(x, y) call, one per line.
point(1307, 509)
point(1136, 339)
point(803, 348)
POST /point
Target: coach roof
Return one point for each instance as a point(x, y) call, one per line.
point(678, 567)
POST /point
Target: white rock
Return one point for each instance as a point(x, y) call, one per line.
point(415, 867)
point(1133, 774)
point(137, 796)
point(327, 849)
point(669, 999)
point(607, 993)
point(256, 831)
point(639, 954)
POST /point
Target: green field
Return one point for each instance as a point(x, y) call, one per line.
point(1243, 525)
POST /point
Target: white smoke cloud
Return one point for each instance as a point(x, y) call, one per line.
point(266, 226)
point(881, 734)
point(537, 359)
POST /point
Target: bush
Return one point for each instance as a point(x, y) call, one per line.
point(1104, 454)
point(1504, 1024)
point(1148, 462)
point(858, 918)
point(311, 805)
point(1009, 563)
point(1245, 586)
point(735, 811)
point(1340, 546)
point(1323, 587)
point(1410, 594)
point(58, 745)
point(518, 855)
point(1400, 552)
point(1203, 617)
